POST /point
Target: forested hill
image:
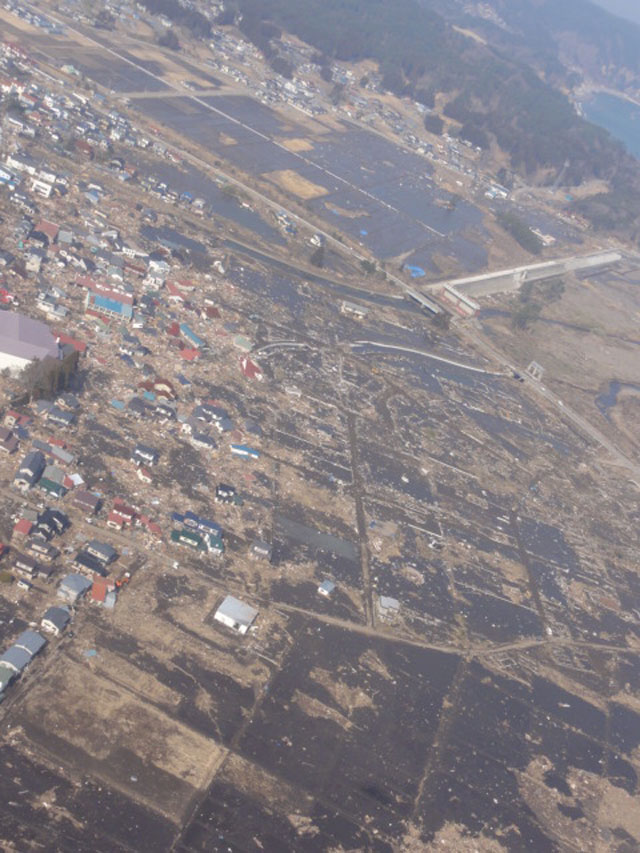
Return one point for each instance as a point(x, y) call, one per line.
point(496, 98)
point(567, 40)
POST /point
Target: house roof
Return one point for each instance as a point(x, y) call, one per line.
point(87, 499)
point(58, 616)
point(23, 527)
point(48, 228)
point(75, 583)
point(16, 657)
point(23, 337)
point(99, 589)
point(237, 610)
point(31, 641)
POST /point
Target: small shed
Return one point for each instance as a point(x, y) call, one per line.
point(388, 607)
point(236, 614)
point(326, 588)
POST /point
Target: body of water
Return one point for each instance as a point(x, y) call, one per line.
point(617, 115)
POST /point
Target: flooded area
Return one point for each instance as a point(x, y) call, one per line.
point(395, 215)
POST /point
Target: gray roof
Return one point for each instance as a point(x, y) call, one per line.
point(16, 658)
point(6, 674)
point(237, 610)
point(75, 583)
point(104, 548)
point(23, 337)
point(58, 616)
point(31, 641)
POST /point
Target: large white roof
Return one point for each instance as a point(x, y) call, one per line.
point(23, 337)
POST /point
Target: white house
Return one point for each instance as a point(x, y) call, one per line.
point(236, 614)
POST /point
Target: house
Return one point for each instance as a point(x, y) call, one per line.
point(16, 659)
point(60, 417)
point(326, 588)
point(262, 550)
point(191, 337)
point(53, 481)
point(214, 544)
point(55, 620)
point(9, 443)
point(235, 614)
point(22, 527)
point(43, 550)
point(102, 551)
point(31, 642)
point(87, 501)
point(53, 522)
point(244, 451)
point(100, 590)
point(26, 566)
point(142, 454)
point(202, 440)
point(85, 562)
point(250, 369)
point(72, 587)
point(354, 310)
point(388, 607)
point(225, 494)
point(144, 474)
point(127, 514)
point(30, 470)
point(115, 521)
point(108, 302)
point(189, 538)
point(22, 340)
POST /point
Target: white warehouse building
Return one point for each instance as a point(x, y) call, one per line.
point(22, 340)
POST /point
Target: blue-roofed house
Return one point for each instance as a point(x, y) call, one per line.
point(73, 587)
point(16, 658)
point(191, 336)
point(31, 642)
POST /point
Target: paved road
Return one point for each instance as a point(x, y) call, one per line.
point(427, 355)
point(587, 428)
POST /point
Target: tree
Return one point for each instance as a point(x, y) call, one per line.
point(442, 320)
point(424, 96)
point(434, 124)
point(337, 94)
point(317, 257)
point(282, 66)
point(525, 314)
point(169, 39)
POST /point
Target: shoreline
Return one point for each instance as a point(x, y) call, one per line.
point(584, 92)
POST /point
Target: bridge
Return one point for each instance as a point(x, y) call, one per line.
point(504, 281)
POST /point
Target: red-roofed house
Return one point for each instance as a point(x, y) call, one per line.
point(48, 228)
point(22, 527)
point(250, 369)
point(174, 293)
point(79, 346)
point(144, 474)
point(114, 521)
point(189, 354)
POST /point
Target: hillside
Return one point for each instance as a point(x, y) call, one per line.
point(496, 97)
point(567, 41)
